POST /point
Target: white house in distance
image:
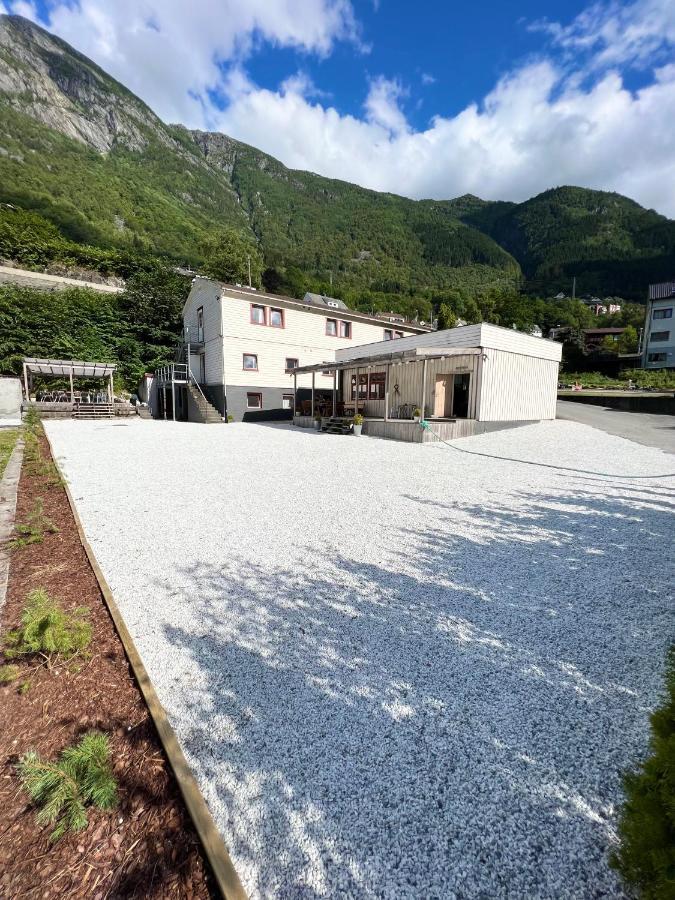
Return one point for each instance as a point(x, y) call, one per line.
point(244, 346)
point(659, 341)
point(461, 381)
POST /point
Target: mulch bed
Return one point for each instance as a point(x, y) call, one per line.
point(145, 848)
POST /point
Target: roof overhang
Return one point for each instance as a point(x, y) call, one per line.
point(417, 354)
point(66, 367)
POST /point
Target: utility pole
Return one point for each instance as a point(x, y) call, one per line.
point(574, 287)
point(330, 278)
point(249, 270)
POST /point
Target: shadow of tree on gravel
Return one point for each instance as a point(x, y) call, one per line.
point(459, 725)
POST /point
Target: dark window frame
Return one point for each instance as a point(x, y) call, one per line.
point(276, 309)
point(288, 368)
point(246, 368)
point(254, 394)
point(264, 312)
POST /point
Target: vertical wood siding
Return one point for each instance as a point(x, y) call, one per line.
point(405, 383)
point(517, 388)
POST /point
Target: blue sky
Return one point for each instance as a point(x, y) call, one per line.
point(427, 99)
point(464, 47)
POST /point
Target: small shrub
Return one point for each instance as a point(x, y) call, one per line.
point(47, 629)
point(358, 419)
point(646, 857)
point(24, 687)
point(31, 418)
point(33, 531)
point(8, 673)
point(62, 790)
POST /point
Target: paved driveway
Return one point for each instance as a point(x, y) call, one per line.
point(650, 429)
point(397, 670)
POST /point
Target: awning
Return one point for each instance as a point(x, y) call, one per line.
point(64, 367)
point(401, 356)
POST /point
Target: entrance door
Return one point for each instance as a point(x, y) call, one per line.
point(460, 396)
point(443, 396)
point(202, 368)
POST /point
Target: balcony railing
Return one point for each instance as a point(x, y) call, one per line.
point(173, 372)
point(193, 334)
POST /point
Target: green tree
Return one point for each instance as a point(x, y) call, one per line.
point(446, 317)
point(227, 254)
point(628, 341)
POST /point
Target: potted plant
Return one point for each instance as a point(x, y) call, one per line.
point(317, 421)
point(357, 423)
point(417, 414)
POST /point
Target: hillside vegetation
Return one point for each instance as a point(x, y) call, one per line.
point(84, 152)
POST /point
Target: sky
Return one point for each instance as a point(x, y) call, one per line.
point(499, 98)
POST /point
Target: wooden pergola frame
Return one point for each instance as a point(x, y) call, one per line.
point(62, 368)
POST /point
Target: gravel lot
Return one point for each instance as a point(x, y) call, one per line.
point(397, 670)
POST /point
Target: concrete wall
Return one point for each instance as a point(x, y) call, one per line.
point(10, 398)
point(663, 404)
point(272, 403)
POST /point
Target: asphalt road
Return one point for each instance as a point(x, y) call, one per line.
point(649, 429)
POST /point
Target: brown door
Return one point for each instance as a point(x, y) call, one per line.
point(443, 396)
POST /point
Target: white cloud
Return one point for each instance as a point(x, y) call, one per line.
point(563, 120)
point(532, 132)
point(615, 33)
point(382, 105)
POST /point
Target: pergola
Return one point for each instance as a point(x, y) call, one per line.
point(386, 360)
point(62, 368)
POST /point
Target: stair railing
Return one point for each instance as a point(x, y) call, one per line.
point(198, 386)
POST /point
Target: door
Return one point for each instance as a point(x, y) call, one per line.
point(443, 396)
point(460, 396)
point(202, 368)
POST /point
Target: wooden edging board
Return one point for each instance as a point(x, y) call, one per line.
point(215, 850)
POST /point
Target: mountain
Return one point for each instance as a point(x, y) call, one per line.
point(87, 154)
point(612, 245)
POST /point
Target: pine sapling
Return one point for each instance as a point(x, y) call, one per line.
point(62, 790)
point(34, 529)
point(48, 630)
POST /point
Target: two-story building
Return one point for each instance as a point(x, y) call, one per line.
point(243, 345)
point(659, 340)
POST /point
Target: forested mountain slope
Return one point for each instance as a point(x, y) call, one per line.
point(82, 150)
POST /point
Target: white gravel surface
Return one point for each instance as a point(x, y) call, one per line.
point(397, 670)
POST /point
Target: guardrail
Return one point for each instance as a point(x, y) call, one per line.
point(173, 372)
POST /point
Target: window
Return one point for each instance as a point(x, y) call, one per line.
point(388, 334)
point(659, 336)
point(331, 327)
point(200, 324)
point(663, 313)
point(657, 357)
point(251, 362)
point(287, 401)
point(376, 390)
point(291, 363)
point(258, 314)
point(254, 401)
point(363, 387)
point(277, 318)
point(345, 329)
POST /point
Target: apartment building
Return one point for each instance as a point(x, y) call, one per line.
point(659, 340)
point(243, 345)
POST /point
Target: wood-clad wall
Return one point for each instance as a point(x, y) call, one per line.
point(405, 383)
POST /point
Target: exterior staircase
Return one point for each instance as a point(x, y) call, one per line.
point(336, 425)
point(206, 411)
point(93, 411)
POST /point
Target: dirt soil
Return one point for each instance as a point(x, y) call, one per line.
point(145, 848)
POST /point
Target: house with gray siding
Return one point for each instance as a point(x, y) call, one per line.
point(658, 350)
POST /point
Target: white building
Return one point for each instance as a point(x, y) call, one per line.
point(243, 346)
point(659, 342)
point(460, 381)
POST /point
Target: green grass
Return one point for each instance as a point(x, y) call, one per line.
point(7, 442)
